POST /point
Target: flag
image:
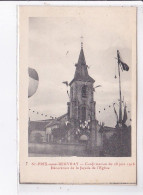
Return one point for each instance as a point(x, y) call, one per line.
point(123, 65)
point(68, 93)
point(66, 83)
point(125, 115)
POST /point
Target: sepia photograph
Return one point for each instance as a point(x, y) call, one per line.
point(81, 83)
point(79, 93)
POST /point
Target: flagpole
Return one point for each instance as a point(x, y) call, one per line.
point(120, 95)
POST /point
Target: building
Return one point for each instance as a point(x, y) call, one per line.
point(36, 131)
point(78, 131)
point(75, 125)
point(82, 105)
point(47, 130)
point(56, 129)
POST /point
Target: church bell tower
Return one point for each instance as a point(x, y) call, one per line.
point(82, 105)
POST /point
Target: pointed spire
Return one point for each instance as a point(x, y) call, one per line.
point(81, 72)
point(81, 59)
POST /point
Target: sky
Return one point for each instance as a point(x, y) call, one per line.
point(49, 40)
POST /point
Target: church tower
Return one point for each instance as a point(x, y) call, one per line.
point(82, 105)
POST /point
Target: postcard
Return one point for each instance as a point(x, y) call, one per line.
point(77, 95)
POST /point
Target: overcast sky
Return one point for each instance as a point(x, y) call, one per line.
point(49, 41)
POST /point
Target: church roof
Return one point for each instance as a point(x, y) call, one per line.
point(81, 72)
point(38, 125)
point(56, 121)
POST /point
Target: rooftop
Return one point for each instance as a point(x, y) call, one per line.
point(81, 72)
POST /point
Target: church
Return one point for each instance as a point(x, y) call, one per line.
point(76, 124)
point(78, 131)
point(82, 105)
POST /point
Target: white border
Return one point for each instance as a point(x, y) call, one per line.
point(8, 144)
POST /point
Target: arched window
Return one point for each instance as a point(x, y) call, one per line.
point(83, 113)
point(84, 91)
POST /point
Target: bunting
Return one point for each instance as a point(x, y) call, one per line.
point(38, 113)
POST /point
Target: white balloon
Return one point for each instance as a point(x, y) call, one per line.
point(33, 85)
point(33, 82)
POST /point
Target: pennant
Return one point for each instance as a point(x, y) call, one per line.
point(125, 115)
point(68, 93)
point(98, 86)
point(66, 83)
point(115, 111)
